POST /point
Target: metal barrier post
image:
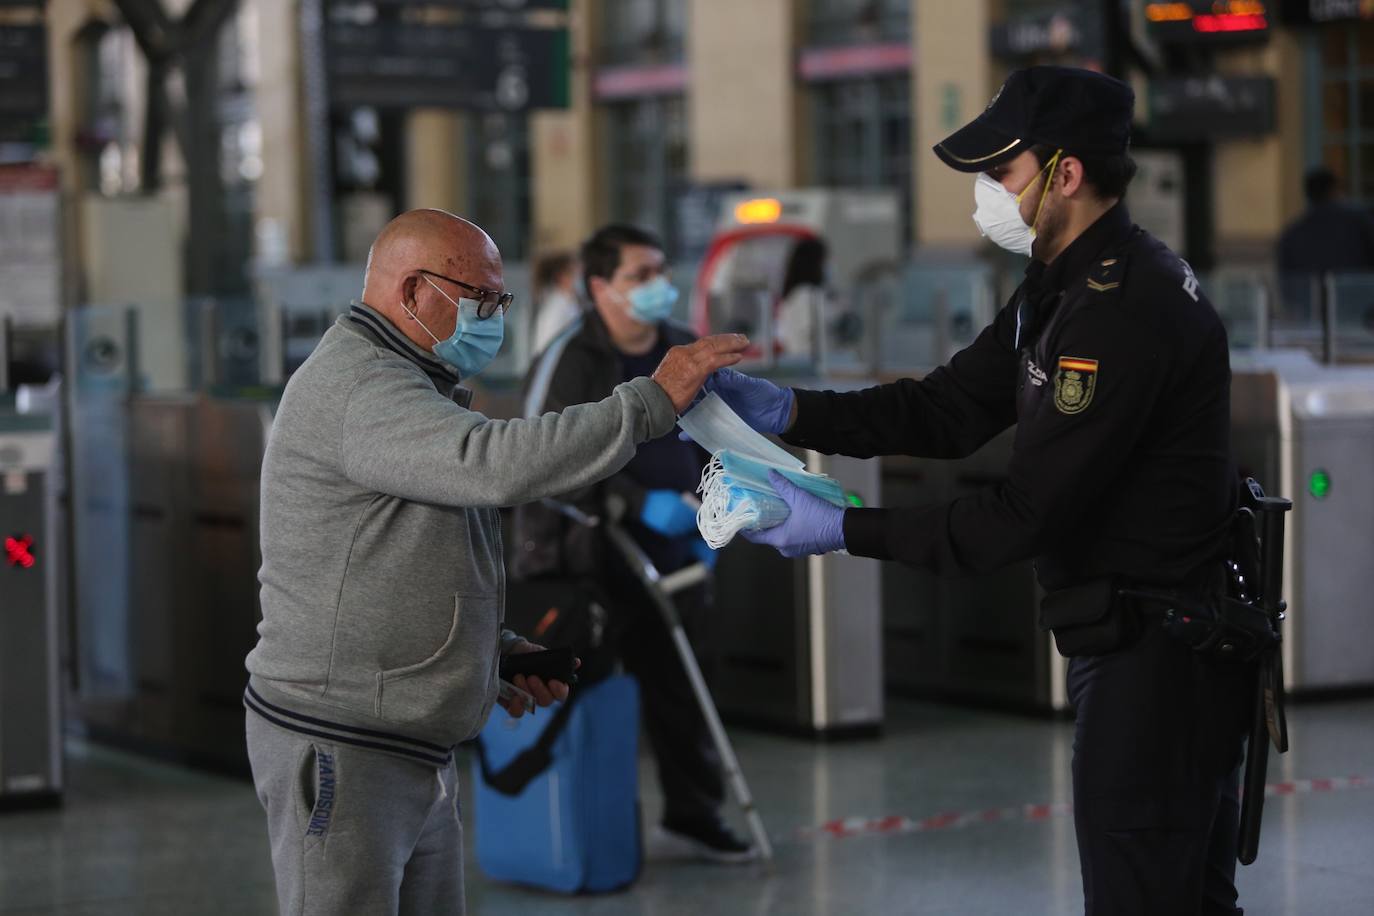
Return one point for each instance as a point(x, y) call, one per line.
point(209, 344)
point(1328, 305)
point(940, 314)
point(5, 336)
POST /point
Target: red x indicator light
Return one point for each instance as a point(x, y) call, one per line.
point(19, 551)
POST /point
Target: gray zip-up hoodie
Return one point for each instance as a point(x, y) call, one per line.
point(382, 578)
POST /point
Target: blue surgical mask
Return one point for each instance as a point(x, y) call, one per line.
point(652, 302)
point(475, 341)
point(746, 473)
point(715, 427)
point(736, 496)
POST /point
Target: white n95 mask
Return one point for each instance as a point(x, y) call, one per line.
point(998, 211)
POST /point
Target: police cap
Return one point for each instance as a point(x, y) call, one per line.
point(1083, 112)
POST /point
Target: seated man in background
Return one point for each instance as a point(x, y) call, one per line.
point(382, 573)
point(626, 331)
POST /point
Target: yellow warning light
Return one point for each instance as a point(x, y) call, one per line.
point(759, 210)
point(1169, 12)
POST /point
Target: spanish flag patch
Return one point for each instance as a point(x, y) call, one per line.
point(1074, 384)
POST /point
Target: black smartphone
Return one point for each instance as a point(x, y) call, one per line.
point(547, 665)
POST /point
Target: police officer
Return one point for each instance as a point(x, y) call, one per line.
point(1114, 367)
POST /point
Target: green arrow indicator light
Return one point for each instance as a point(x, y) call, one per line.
point(1319, 484)
point(855, 500)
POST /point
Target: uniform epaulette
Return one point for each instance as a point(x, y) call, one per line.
point(1106, 275)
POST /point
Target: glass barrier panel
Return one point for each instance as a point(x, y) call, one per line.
point(1241, 299)
point(102, 361)
point(940, 311)
point(1352, 310)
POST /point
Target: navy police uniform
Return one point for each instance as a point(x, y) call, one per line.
point(1114, 368)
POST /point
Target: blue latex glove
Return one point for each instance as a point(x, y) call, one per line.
point(665, 512)
point(812, 524)
point(760, 403)
point(704, 553)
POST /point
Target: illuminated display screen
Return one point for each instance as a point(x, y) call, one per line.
point(1318, 12)
point(19, 551)
point(1208, 21)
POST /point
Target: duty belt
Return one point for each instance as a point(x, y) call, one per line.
point(1242, 621)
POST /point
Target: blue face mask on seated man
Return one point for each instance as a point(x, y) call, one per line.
point(652, 302)
point(474, 342)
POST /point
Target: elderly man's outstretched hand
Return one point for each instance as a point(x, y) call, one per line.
point(685, 369)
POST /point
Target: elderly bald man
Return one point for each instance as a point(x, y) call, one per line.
point(382, 578)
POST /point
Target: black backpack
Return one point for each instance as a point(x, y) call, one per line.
point(554, 612)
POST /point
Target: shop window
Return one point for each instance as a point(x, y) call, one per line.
point(1346, 90)
point(863, 134)
point(499, 179)
point(642, 31)
point(646, 141)
point(841, 22)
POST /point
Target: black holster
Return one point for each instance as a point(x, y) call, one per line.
point(1090, 619)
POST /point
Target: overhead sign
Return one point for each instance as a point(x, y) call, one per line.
point(1206, 107)
point(474, 68)
point(504, 6)
point(1208, 21)
point(1055, 31)
point(391, 54)
point(23, 72)
point(1317, 12)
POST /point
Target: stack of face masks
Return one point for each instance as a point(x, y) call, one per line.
point(735, 493)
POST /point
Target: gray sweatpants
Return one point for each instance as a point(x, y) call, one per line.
point(356, 831)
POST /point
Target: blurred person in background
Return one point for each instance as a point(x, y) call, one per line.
point(1331, 236)
point(628, 328)
point(555, 276)
point(803, 299)
point(382, 567)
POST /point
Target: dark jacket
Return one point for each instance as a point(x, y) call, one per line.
point(1330, 236)
point(580, 366)
point(1115, 369)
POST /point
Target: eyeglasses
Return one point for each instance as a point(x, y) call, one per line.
point(488, 300)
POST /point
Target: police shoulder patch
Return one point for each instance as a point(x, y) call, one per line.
point(1074, 384)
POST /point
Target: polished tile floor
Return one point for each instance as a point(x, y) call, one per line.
point(137, 838)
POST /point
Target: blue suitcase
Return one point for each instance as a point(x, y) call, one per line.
point(573, 824)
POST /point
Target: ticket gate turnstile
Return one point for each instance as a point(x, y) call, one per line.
point(965, 639)
point(798, 642)
point(1306, 431)
point(30, 682)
